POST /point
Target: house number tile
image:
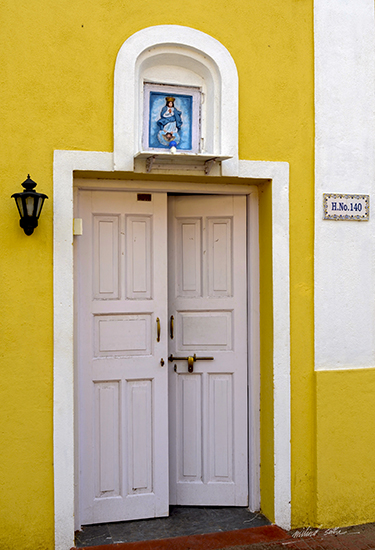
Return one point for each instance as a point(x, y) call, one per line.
point(346, 207)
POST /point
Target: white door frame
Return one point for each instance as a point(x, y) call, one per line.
point(101, 164)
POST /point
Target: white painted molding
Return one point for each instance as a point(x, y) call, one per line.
point(344, 38)
point(65, 163)
point(181, 47)
point(278, 172)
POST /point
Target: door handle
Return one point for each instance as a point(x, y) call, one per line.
point(172, 327)
point(157, 329)
point(191, 360)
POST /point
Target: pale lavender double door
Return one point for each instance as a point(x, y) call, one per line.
point(153, 432)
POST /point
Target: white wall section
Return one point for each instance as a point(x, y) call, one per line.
point(279, 173)
point(345, 163)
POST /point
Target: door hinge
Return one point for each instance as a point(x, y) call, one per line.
point(77, 226)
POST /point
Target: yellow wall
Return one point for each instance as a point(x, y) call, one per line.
point(345, 447)
point(56, 72)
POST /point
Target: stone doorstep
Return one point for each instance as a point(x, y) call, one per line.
point(210, 541)
point(268, 537)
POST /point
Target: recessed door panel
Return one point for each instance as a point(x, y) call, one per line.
point(138, 257)
point(106, 257)
point(188, 272)
point(204, 330)
point(220, 261)
point(220, 427)
point(122, 335)
point(190, 423)
point(107, 426)
point(140, 437)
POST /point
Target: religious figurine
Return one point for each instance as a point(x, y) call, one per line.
point(170, 123)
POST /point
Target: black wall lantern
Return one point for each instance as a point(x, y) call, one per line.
point(29, 204)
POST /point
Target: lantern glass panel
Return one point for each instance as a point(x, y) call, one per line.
point(30, 205)
point(39, 206)
point(20, 206)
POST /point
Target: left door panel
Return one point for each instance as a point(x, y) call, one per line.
point(121, 338)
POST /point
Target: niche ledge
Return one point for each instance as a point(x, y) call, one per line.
point(151, 161)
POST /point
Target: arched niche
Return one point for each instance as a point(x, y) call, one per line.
point(176, 55)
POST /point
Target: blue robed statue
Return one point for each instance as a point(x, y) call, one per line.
point(170, 123)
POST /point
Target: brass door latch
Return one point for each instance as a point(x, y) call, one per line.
point(190, 360)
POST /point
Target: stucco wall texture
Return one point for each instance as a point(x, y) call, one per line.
point(345, 447)
point(56, 92)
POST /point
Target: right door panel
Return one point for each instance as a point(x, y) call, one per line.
point(207, 299)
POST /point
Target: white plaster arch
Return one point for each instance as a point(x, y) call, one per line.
point(149, 52)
